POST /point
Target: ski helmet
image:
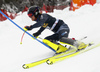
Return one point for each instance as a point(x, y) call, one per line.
point(33, 10)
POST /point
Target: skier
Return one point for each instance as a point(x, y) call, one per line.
point(60, 29)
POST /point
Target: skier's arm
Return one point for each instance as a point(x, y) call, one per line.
point(34, 26)
point(40, 30)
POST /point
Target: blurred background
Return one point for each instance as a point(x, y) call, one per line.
point(12, 7)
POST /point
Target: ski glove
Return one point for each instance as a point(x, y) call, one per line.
point(36, 34)
point(27, 27)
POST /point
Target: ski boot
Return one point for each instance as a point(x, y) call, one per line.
point(57, 47)
point(61, 49)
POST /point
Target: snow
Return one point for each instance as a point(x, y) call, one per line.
point(83, 22)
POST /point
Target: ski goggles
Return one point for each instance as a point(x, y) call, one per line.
point(30, 15)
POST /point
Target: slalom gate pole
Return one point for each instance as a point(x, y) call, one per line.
point(26, 31)
point(22, 37)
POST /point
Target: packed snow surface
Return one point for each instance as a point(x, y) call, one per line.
point(83, 22)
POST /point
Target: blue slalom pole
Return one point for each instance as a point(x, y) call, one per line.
point(26, 31)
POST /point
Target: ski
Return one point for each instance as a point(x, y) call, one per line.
point(29, 65)
point(54, 60)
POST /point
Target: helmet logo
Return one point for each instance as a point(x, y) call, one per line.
point(36, 13)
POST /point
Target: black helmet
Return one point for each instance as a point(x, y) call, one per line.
point(33, 10)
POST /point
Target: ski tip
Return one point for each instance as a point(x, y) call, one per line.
point(25, 67)
point(49, 62)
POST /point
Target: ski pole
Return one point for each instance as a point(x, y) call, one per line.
point(83, 38)
point(22, 37)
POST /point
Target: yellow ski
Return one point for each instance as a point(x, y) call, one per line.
point(26, 66)
point(53, 60)
point(59, 57)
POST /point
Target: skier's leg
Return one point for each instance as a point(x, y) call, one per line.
point(63, 36)
point(78, 44)
point(67, 40)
